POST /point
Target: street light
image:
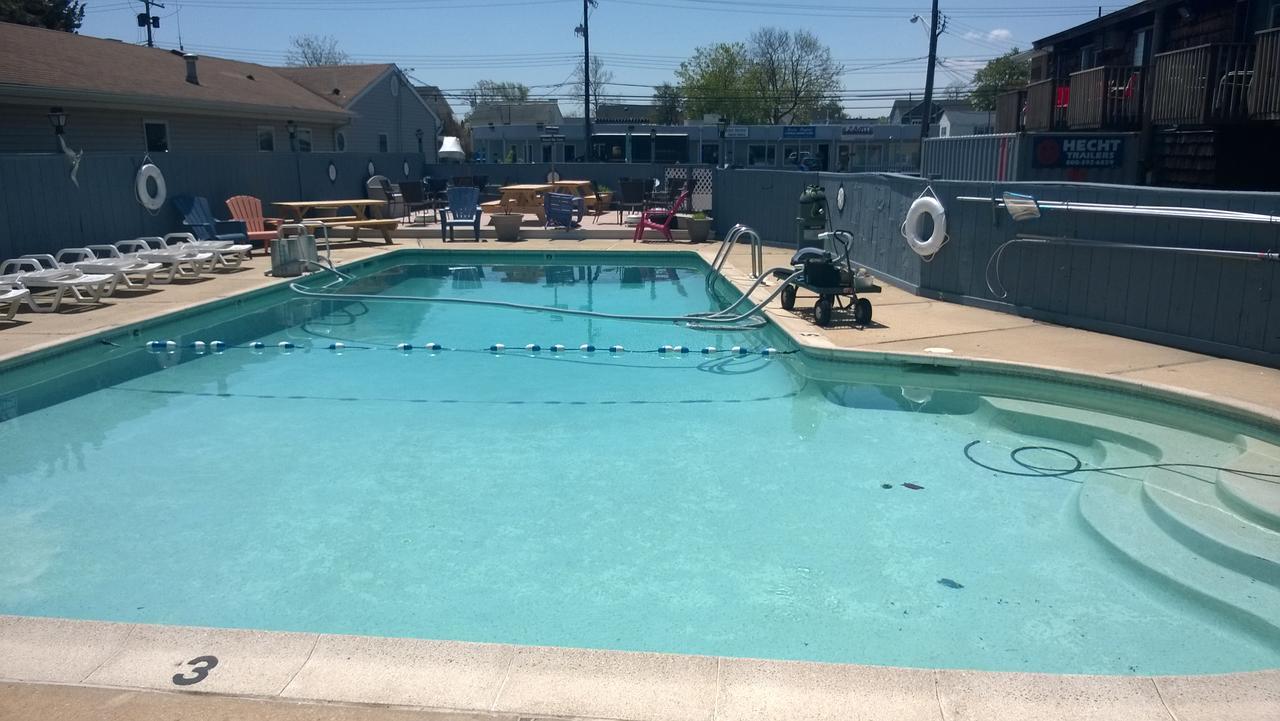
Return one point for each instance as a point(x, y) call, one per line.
point(630, 129)
point(418, 133)
point(653, 145)
point(293, 135)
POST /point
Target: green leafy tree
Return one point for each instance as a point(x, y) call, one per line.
point(53, 14)
point(777, 76)
point(667, 104)
point(491, 91)
point(716, 81)
point(1000, 75)
point(792, 73)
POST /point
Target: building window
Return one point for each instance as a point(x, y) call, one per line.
point(157, 135)
point(266, 138)
point(340, 141)
point(1141, 40)
point(304, 140)
point(762, 154)
point(382, 142)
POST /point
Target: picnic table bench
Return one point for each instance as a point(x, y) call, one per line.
point(360, 219)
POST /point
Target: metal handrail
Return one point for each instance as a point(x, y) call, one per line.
point(726, 247)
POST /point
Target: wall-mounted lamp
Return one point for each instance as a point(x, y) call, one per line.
point(58, 119)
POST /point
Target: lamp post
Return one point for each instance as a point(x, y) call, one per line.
point(58, 119)
point(721, 126)
point(653, 145)
point(630, 130)
point(293, 135)
point(418, 133)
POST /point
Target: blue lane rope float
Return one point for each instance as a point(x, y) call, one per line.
point(285, 346)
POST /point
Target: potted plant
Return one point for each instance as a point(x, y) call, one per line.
point(507, 224)
point(699, 227)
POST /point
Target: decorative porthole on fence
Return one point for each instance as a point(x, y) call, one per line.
point(333, 172)
point(372, 170)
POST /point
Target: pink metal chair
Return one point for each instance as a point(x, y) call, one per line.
point(659, 219)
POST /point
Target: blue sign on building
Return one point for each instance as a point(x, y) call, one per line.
point(799, 131)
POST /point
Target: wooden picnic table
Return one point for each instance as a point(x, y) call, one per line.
point(526, 198)
point(583, 189)
point(359, 206)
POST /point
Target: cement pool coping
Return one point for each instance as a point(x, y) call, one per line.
point(544, 681)
point(523, 681)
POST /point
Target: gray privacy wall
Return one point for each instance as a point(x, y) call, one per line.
point(42, 211)
point(1211, 305)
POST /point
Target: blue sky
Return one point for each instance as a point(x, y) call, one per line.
point(453, 43)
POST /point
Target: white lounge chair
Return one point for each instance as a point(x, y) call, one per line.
point(181, 262)
point(12, 296)
point(29, 274)
point(227, 253)
point(130, 273)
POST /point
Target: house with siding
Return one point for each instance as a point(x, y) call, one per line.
point(118, 97)
point(387, 115)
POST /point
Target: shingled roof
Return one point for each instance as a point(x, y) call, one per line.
point(58, 66)
point(339, 84)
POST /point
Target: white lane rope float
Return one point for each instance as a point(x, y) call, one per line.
point(218, 347)
point(926, 204)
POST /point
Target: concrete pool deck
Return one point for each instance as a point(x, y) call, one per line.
point(57, 668)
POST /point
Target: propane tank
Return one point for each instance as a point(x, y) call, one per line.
point(813, 217)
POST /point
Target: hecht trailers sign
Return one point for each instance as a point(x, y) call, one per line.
point(1058, 151)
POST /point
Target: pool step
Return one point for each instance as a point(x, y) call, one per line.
point(1113, 507)
point(1192, 513)
point(1254, 498)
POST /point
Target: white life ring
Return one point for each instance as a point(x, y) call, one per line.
point(911, 226)
point(150, 201)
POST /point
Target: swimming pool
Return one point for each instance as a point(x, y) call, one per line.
point(786, 506)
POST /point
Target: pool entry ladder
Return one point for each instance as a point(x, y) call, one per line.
point(726, 247)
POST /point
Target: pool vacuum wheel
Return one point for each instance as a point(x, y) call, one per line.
point(862, 312)
point(789, 297)
point(822, 311)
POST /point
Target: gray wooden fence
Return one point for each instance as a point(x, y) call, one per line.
point(1211, 305)
point(41, 210)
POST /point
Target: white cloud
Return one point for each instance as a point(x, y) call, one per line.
point(1001, 34)
point(998, 35)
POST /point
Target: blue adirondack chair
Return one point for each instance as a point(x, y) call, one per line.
point(563, 210)
point(197, 216)
point(464, 210)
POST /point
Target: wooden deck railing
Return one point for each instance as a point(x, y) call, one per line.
point(1009, 111)
point(1264, 91)
point(1106, 97)
point(1201, 85)
point(1042, 101)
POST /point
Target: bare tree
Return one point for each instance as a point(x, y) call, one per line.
point(313, 50)
point(493, 91)
point(956, 90)
point(793, 74)
point(599, 79)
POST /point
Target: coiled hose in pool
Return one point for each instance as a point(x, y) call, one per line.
point(718, 320)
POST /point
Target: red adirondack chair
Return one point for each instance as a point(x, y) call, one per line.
point(249, 209)
point(659, 220)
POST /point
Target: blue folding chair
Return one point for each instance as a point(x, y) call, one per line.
point(197, 216)
point(563, 210)
point(464, 209)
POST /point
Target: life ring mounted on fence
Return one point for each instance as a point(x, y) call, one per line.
point(911, 230)
point(150, 187)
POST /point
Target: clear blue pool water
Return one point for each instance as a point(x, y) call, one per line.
point(741, 506)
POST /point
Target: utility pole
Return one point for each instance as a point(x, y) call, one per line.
point(149, 21)
point(935, 29)
point(586, 73)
